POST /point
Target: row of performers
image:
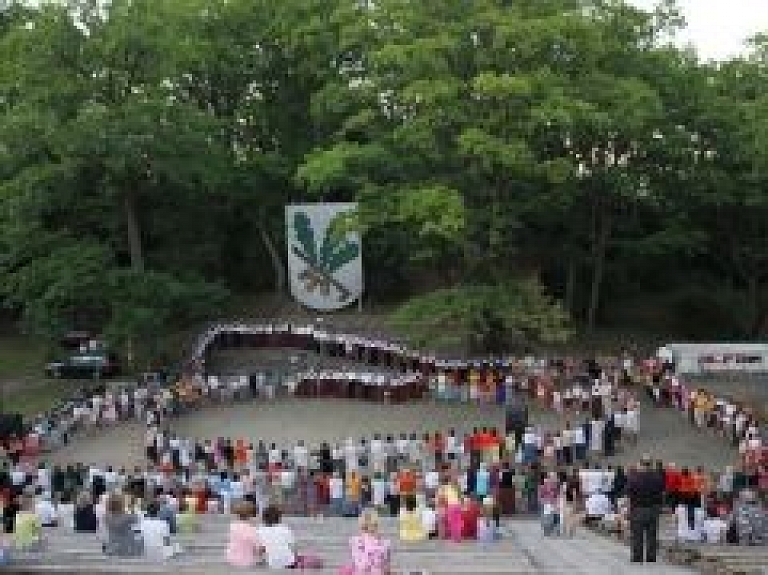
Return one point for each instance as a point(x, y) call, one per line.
point(368, 351)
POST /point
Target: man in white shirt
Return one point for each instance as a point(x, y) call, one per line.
point(597, 506)
point(351, 456)
point(429, 521)
point(237, 488)
point(403, 446)
point(274, 457)
point(336, 493)
point(431, 483)
point(18, 476)
point(43, 478)
point(157, 535)
point(277, 539)
point(46, 510)
point(301, 455)
point(378, 454)
point(714, 530)
point(596, 439)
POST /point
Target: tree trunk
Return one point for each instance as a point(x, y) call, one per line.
point(757, 314)
point(570, 287)
point(133, 229)
point(599, 249)
point(277, 262)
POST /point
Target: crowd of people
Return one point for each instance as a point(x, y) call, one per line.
point(732, 420)
point(454, 484)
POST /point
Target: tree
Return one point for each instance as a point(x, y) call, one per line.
point(486, 319)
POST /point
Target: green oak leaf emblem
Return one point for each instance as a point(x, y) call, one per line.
point(325, 259)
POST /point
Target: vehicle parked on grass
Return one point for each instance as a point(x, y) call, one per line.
point(86, 358)
point(92, 364)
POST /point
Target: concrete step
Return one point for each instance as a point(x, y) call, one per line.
point(522, 550)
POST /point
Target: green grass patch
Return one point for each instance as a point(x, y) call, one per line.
point(35, 398)
point(21, 357)
point(23, 385)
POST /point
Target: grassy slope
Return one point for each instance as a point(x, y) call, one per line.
point(22, 384)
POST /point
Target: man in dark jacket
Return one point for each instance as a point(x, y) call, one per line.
point(645, 489)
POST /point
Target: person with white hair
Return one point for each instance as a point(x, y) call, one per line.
point(370, 553)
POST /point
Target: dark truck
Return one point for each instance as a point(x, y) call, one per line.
point(89, 364)
point(86, 356)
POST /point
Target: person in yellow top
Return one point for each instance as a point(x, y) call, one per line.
point(411, 526)
point(28, 530)
point(700, 409)
point(352, 494)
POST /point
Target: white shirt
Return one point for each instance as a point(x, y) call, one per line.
point(714, 530)
point(379, 491)
point(278, 542)
point(429, 519)
point(377, 449)
point(44, 478)
point(336, 487)
point(350, 452)
point(156, 534)
point(631, 420)
point(598, 505)
point(46, 511)
point(591, 480)
point(110, 478)
point(287, 478)
point(432, 480)
point(236, 489)
point(301, 456)
point(529, 438)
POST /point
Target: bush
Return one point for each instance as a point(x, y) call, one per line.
point(483, 318)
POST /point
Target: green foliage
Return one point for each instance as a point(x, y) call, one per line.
point(518, 313)
point(148, 148)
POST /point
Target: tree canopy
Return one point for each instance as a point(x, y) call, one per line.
point(506, 154)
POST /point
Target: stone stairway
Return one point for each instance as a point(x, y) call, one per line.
point(522, 550)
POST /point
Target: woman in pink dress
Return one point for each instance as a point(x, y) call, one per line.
point(370, 553)
point(243, 548)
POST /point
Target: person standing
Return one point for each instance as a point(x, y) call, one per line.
point(646, 490)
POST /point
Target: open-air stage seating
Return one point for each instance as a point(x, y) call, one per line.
point(205, 552)
point(522, 550)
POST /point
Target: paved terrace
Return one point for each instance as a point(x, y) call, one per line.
point(663, 432)
point(523, 550)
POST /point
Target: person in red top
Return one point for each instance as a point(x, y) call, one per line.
point(672, 485)
point(470, 513)
point(201, 500)
point(689, 495)
point(406, 483)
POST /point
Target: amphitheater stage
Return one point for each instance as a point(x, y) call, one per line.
point(664, 433)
